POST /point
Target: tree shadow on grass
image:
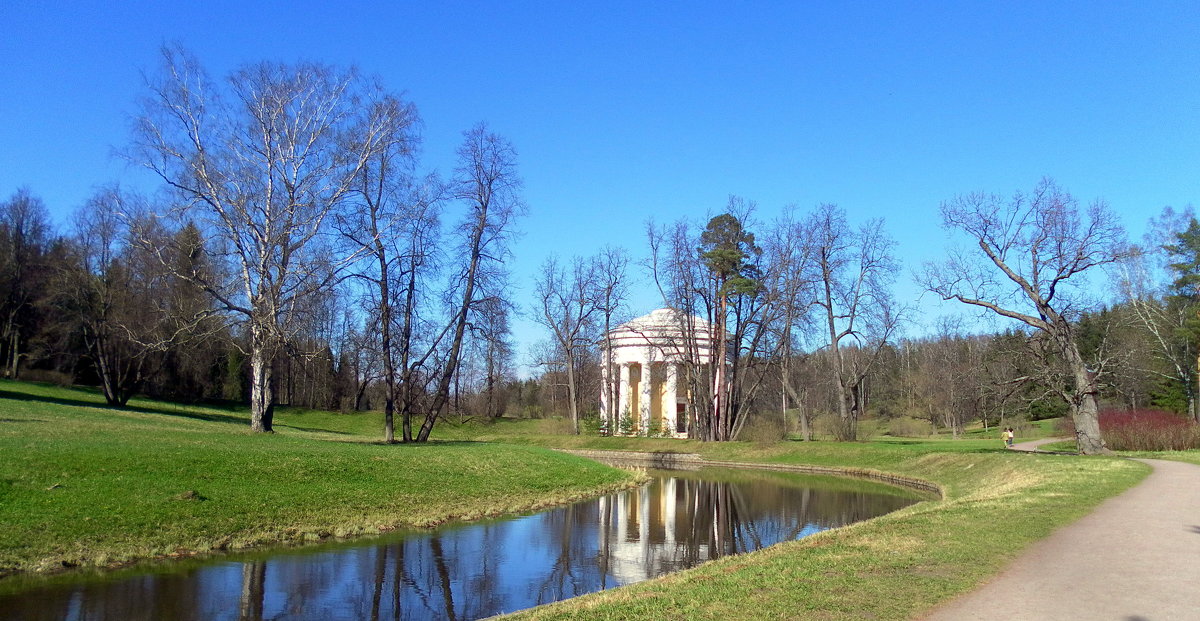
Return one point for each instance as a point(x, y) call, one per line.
point(165, 409)
point(84, 403)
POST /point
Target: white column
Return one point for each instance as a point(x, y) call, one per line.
point(622, 397)
point(671, 379)
point(603, 392)
point(646, 385)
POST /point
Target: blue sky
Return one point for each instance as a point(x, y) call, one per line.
point(622, 111)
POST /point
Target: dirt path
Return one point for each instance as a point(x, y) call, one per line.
point(1135, 558)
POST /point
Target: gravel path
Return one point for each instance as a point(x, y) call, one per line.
point(1135, 558)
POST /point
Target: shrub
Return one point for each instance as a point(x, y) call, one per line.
point(47, 377)
point(591, 424)
point(908, 427)
point(763, 430)
point(625, 425)
point(1148, 430)
point(1141, 430)
point(1022, 427)
point(827, 425)
point(555, 426)
point(866, 429)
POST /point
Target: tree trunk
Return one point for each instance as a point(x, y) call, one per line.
point(571, 396)
point(1087, 427)
point(719, 423)
point(1195, 411)
point(14, 353)
point(406, 340)
point(1084, 409)
point(261, 396)
point(385, 329)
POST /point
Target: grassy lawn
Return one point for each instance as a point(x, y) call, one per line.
point(82, 484)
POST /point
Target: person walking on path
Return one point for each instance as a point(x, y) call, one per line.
point(1008, 437)
point(1135, 558)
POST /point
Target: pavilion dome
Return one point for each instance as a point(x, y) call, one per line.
point(664, 332)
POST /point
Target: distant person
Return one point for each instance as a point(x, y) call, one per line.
point(1008, 437)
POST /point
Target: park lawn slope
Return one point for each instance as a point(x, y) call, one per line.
point(82, 484)
point(897, 566)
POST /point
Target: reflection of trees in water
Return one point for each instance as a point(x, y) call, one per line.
point(254, 575)
point(147, 597)
point(485, 569)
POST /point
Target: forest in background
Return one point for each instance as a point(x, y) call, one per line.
point(298, 256)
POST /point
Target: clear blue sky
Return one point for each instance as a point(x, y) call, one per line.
point(622, 111)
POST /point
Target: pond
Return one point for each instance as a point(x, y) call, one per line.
point(469, 571)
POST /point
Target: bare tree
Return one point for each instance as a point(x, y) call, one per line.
point(24, 239)
point(118, 299)
point(854, 272)
point(791, 280)
point(1165, 312)
point(260, 162)
point(387, 217)
point(492, 333)
point(680, 280)
point(487, 183)
point(567, 305)
point(1034, 252)
point(612, 292)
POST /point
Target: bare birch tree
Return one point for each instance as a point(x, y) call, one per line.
point(1034, 254)
point(260, 161)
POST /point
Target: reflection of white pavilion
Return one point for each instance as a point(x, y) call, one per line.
point(648, 356)
point(639, 535)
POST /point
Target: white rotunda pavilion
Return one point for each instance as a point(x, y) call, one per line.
point(648, 355)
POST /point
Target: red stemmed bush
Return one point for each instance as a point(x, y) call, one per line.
point(1148, 430)
point(1142, 430)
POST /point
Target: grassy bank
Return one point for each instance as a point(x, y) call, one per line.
point(82, 484)
point(894, 567)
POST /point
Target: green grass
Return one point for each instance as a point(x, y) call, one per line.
point(93, 485)
point(1191, 457)
point(82, 484)
point(898, 566)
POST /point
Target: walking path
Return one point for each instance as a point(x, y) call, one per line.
point(1135, 558)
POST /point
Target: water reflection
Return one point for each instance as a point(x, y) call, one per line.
point(471, 571)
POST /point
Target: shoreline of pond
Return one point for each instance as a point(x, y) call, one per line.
point(25, 579)
point(680, 519)
point(690, 461)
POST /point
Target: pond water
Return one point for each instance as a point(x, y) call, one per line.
point(469, 571)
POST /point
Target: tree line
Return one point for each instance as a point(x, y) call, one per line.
point(294, 248)
point(297, 254)
point(804, 321)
